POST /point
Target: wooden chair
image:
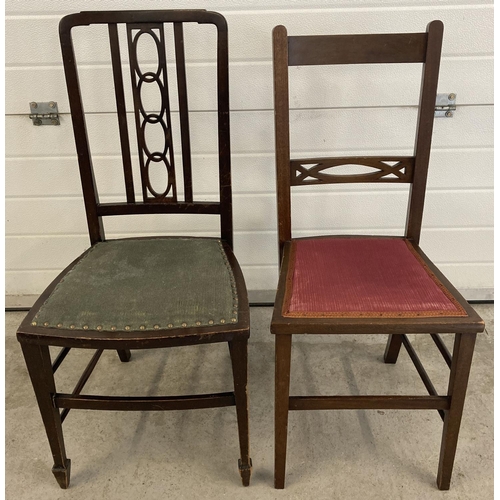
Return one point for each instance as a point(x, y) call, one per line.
point(365, 285)
point(143, 293)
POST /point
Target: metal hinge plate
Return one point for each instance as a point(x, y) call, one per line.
point(445, 105)
point(44, 113)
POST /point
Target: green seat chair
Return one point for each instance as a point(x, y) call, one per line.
point(148, 292)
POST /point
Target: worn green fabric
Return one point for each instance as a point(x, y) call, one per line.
point(145, 284)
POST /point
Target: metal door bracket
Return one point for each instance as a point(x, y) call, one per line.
point(445, 105)
point(44, 113)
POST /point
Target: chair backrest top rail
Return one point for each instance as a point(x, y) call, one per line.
point(357, 49)
point(85, 18)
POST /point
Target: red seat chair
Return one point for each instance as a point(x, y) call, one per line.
point(365, 284)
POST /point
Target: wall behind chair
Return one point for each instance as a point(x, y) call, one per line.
point(367, 110)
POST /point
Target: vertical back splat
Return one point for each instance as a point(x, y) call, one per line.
point(144, 119)
point(121, 111)
point(183, 111)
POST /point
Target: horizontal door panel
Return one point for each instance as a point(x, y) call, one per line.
point(469, 30)
point(251, 86)
point(354, 131)
point(257, 212)
point(33, 177)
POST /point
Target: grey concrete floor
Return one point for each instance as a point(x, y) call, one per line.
point(193, 454)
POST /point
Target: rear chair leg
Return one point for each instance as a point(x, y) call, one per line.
point(39, 366)
point(457, 387)
point(238, 350)
point(124, 355)
point(392, 349)
point(281, 405)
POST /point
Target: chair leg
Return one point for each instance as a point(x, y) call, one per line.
point(238, 350)
point(281, 405)
point(392, 349)
point(39, 366)
point(457, 387)
point(124, 355)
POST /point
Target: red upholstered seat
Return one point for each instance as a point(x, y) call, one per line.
point(363, 277)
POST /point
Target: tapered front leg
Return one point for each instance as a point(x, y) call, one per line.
point(457, 388)
point(238, 350)
point(392, 349)
point(281, 404)
point(39, 366)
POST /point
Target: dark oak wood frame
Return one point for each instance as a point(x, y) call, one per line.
point(422, 48)
point(35, 340)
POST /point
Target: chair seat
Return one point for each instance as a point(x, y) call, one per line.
point(358, 277)
point(183, 283)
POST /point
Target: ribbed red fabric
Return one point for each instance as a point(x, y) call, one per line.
point(367, 277)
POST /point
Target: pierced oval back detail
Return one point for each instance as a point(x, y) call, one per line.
point(158, 122)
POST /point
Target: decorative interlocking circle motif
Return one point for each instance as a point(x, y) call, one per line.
point(161, 118)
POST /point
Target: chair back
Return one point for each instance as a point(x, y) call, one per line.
point(150, 24)
point(355, 49)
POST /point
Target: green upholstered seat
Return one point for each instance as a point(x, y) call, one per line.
point(145, 284)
